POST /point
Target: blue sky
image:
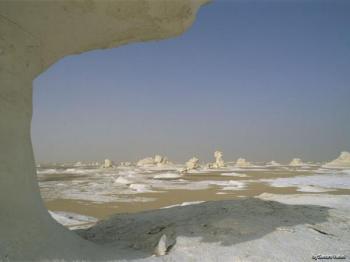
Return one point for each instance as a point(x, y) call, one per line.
point(259, 79)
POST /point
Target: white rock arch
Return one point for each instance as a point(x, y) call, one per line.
point(34, 35)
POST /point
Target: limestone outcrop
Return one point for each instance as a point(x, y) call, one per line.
point(343, 161)
point(33, 36)
point(242, 162)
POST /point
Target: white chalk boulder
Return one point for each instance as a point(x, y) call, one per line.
point(343, 161)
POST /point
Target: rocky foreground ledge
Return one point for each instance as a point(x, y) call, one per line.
point(267, 228)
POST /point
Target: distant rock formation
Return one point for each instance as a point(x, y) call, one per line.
point(161, 160)
point(343, 161)
point(107, 164)
point(296, 162)
point(273, 163)
point(242, 162)
point(191, 164)
point(219, 162)
point(158, 160)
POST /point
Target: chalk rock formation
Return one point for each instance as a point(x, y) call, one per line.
point(241, 162)
point(160, 160)
point(107, 164)
point(343, 161)
point(219, 162)
point(157, 160)
point(296, 162)
point(191, 164)
point(34, 35)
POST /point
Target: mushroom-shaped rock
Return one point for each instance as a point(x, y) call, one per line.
point(343, 161)
point(33, 36)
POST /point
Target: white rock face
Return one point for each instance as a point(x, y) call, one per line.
point(296, 162)
point(107, 164)
point(219, 162)
point(34, 35)
point(241, 162)
point(343, 161)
